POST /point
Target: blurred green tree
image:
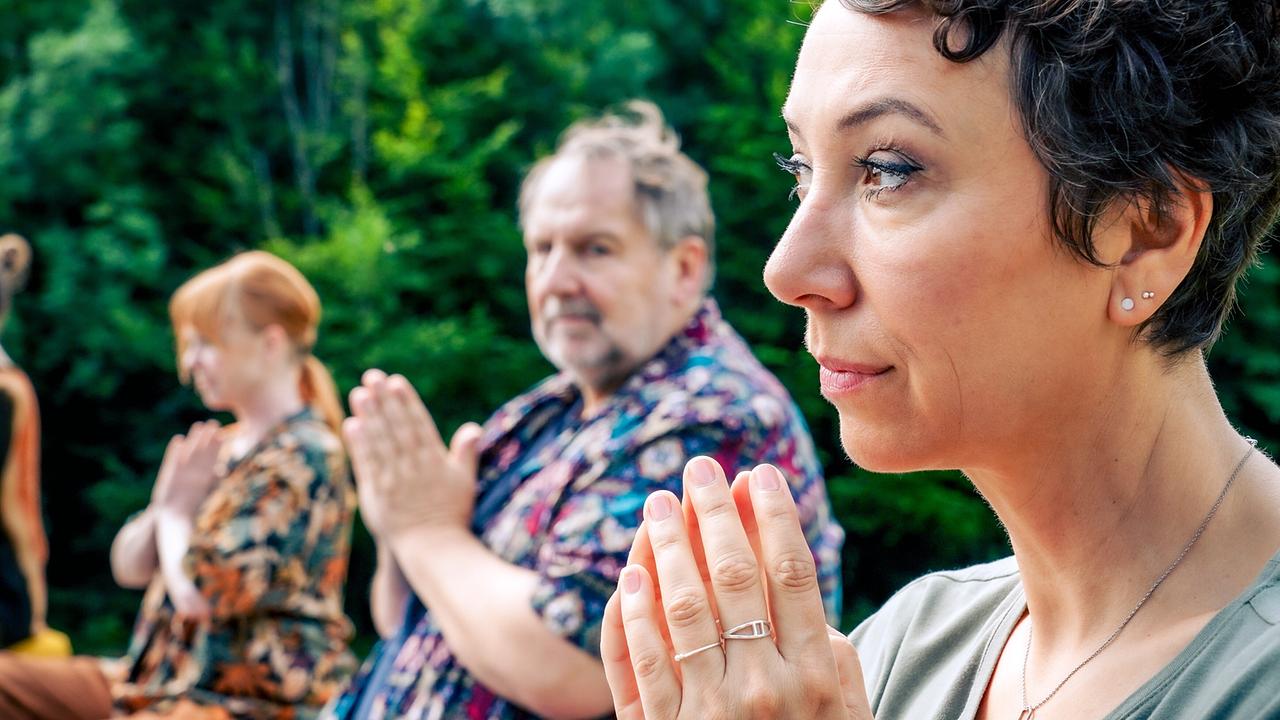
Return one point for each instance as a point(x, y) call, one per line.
point(379, 145)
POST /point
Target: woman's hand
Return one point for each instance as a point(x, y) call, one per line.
point(187, 473)
point(188, 603)
point(734, 557)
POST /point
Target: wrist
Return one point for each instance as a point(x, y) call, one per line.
point(434, 538)
point(172, 510)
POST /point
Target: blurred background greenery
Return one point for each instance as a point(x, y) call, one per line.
point(378, 144)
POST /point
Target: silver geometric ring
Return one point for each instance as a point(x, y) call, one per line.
point(752, 630)
point(695, 651)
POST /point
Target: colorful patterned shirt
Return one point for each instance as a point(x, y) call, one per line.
point(562, 495)
point(269, 552)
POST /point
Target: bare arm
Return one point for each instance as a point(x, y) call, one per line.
point(483, 606)
point(19, 530)
point(134, 553)
point(134, 559)
point(388, 594)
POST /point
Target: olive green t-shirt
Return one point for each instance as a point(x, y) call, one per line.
point(930, 651)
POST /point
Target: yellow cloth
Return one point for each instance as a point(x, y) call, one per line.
point(46, 643)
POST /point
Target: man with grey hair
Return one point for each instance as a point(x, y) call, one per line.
point(498, 551)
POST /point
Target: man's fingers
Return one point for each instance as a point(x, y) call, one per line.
point(404, 435)
point(464, 448)
point(357, 445)
point(413, 412)
point(378, 447)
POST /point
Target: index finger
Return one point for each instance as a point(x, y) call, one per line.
point(405, 407)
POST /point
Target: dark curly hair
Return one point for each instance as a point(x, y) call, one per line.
point(1129, 99)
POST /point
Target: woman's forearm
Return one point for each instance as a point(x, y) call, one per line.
point(172, 540)
point(388, 594)
point(29, 563)
point(134, 558)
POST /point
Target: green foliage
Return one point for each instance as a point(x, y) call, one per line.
point(379, 146)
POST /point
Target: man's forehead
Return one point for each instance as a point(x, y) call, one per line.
point(581, 188)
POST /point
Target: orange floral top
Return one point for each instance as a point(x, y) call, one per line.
point(269, 552)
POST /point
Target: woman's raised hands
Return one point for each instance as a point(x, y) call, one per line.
point(719, 615)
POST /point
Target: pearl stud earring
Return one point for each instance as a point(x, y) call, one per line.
point(1147, 295)
point(1126, 304)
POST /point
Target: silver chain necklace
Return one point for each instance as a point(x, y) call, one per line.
point(1028, 709)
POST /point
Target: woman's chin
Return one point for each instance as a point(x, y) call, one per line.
point(880, 450)
point(213, 403)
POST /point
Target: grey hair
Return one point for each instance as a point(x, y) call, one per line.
point(670, 188)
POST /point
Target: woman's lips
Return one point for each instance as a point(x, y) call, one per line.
point(838, 378)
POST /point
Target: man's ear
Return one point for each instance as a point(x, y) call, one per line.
point(692, 262)
point(1155, 251)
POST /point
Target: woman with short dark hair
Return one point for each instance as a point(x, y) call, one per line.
point(1020, 226)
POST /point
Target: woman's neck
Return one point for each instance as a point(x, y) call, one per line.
point(267, 407)
point(1093, 523)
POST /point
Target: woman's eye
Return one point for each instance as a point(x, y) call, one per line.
point(797, 167)
point(886, 172)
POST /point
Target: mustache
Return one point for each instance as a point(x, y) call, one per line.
point(556, 308)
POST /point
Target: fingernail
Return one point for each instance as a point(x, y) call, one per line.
point(630, 580)
point(701, 472)
point(766, 477)
point(659, 507)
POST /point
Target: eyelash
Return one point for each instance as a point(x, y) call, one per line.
point(903, 170)
point(791, 167)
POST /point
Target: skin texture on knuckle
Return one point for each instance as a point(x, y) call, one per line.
point(665, 540)
point(648, 663)
point(760, 701)
point(735, 573)
point(685, 608)
point(777, 513)
point(795, 571)
point(721, 505)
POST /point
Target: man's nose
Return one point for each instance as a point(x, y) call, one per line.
point(560, 273)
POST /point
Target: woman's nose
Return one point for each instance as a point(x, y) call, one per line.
point(810, 267)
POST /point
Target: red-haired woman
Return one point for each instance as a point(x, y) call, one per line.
point(243, 549)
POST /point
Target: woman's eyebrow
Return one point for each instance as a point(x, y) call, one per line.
point(877, 108)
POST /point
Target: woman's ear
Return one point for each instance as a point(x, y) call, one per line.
point(277, 341)
point(1156, 251)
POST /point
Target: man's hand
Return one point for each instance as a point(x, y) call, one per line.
point(187, 473)
point(405, 475)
